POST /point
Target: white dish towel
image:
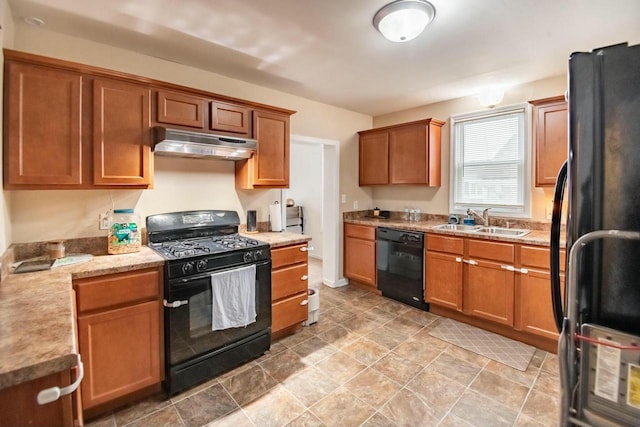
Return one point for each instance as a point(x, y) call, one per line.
point(233, 298)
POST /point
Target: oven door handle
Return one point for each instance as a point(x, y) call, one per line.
point(174, 304)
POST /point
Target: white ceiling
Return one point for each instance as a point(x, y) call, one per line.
point(328, 50)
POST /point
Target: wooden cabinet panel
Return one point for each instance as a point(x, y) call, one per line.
point(121, 133)
point(289, 311)
point(181, 109)
point(121, 352)
point(537, 257)
point(360, 260)
point(443, 284)
point(43, 138)
point(117, 289)
point(269, 167)
point(18, 406)
point(288, 255)
point(489, 292)
point(230, 118)
point(374, 158)
point(550, 136)
point(495, 251)
point(454, 245)
point(408, 155)
point(360, 231)
point(289, 280)
point(535, 312)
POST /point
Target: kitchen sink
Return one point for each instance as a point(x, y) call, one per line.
point(457, 227)
point(500, 231)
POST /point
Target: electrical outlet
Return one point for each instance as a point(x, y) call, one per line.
point(343, 198)
point(103, 221)
point(355, 204)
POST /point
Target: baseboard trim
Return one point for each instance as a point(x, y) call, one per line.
point(337, 284)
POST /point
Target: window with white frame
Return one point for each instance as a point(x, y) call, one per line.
point(489, 166)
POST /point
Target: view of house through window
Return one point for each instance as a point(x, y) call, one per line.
point(489, 161)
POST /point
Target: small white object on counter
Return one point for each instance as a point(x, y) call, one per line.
point(275, 216)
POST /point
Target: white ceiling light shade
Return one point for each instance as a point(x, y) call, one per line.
point(404, 20)
point(491, 97)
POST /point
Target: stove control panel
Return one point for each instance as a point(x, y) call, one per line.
point(211, 263)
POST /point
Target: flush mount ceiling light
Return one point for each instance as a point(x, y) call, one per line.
point(491, 97)
point(404, 20)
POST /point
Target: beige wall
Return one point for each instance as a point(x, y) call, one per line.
point(179, 183)
point(436, 200)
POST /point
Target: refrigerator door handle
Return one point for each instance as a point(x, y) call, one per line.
point(556, 296)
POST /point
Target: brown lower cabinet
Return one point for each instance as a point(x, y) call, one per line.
point(360, 254)
point(18, 406)
point(289, 284)
point(502, 287)
point(119, 335)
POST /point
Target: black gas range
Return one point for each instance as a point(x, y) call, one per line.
point(200, 246)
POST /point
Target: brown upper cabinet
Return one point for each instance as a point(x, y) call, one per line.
point(121, 133)
point(407, 153)
point(42, 131)
point(74, 126)
point(179, 109)
point(550, 135)
point(230, 118)
point(269, 167)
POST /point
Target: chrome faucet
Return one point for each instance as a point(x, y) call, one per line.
point(484, 217)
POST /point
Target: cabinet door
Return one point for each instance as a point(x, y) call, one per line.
point(121, 351)
point(408, 155)
point(289, 311)
point(534, 309)
point(488, 292)
point(443, 284)
point(551, 139)
point(230, 118)
point(43, 143)
point(269, 167)
point(374, 158)
point(360, 260)
point(180, 109)
point(121, 133)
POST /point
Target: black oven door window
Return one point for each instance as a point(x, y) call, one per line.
point(189, 326)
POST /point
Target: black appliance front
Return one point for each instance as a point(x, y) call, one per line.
point(194, 353)
point(604, 178)
point(400, 265)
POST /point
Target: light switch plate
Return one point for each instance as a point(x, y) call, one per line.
point(103, 221)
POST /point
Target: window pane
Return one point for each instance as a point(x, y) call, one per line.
point(489, 161)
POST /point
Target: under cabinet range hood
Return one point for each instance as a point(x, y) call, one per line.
point(183, 143)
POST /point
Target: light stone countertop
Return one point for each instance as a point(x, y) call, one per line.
point(535, 237)
point(278, 239)
point(37, 324)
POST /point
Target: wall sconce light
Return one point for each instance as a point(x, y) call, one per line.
point(489, 98)
point(404, 20)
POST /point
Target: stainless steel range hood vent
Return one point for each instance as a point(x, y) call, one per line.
point(182, 143)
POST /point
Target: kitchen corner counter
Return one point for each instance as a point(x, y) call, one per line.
point(535, 237)
point(37, 323)
point(278, 239)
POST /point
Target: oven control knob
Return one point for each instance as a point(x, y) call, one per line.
point(202, 264)
point(248, 257)
point(258, 254)
point(187, 267)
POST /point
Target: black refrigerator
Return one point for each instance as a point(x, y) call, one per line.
point(598, 312)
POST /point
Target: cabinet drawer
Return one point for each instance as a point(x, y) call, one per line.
point(536, 257)
point(360, 231)
point(289, 312)
point(180, 109)
point(117, 289)
point(288, 281)
point(452, 245)
point(288, 255)
point(503, 252)
point(230, 118)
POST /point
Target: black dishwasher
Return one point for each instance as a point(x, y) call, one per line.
point(400, 264)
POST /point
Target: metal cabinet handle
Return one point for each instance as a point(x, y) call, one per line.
point(174, 304)
point(52, 394)
point(306, 248)
point(458, 259)
point(514, 269)
point(305, 277)
point(304, 302)
point(470, 261)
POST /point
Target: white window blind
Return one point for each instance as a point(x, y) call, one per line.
point(488, 166)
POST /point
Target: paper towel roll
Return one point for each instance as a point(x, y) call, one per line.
point(275, 217)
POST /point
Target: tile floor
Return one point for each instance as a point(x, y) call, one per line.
point(369, 361)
